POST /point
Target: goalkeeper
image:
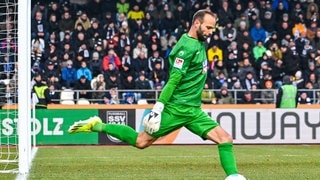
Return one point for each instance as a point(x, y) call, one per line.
point(180, 101)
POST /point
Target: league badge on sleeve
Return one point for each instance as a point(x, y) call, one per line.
point(178, 63)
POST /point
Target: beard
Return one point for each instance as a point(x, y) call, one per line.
point(200, 35)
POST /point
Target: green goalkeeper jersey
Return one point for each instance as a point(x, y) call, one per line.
point(188, 73)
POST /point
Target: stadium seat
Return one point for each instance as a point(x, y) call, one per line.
point(66, 97)
point(67, 102)
point(83, 101)
point(142, 101)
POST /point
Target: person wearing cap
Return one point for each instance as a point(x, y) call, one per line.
point(84, 20)
point(42, 91)
point(287, 96)
point(267, 22)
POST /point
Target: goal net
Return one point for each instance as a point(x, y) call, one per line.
point(15, 91)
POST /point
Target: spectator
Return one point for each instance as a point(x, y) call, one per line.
point(83, 85)
point(95, 64)
point(39, 27)
point(214, 51)
point(218, 67)
point(278, 73)
point(290, 60)
point(111, 70)
point(168, 23)
point(110, 30)
point(244, 68)
point(154, 59)
point(167, 42)
point(298, 80)
point(248, 98)
point(66, 25)
point(304, 99)
point(228, 33)
point(94, 32)
point(241, 22)
point(314, 80)
point(225, 13)
point(140, 64)
point(84, 71)
point(208, 96)
point(268, 94)
point(142, 83)
point(67, 54)
point(232, 63)
point(128, 83)
point(53, 25)
point(97, 81)
point(135, 13)
point(298, 28)
point(111, 97)
point(99, 94)
point(53, 80)
point(84, 21)
point(258, 33)
point(8, 66)
point(259, 50)
point(125, 71)
point(113, 58)
point(68, 75)
point(267, 22)
point(140, 47)
point(157, 76)
point(95, 7)
point(224, 97)
point(122, 7)
point(129, 99)
point(248, 81)
point(54, 95)
point(113, 81)
point(49, 70)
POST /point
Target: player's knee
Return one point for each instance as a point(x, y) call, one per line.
point(227, 138)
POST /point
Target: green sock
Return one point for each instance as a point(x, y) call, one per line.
point(227, 158)
point(122, 132)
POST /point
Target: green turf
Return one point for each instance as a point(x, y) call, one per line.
point(174, 162)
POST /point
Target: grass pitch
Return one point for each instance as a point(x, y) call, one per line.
point(256, 162)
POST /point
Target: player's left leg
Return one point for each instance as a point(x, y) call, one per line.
point(225, 147)
point(207, 128)
point(124, 133)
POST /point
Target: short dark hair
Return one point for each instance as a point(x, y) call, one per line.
point(201, 13)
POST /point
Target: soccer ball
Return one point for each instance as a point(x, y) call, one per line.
point(235, 177)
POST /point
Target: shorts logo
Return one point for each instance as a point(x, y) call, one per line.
point(178, 63)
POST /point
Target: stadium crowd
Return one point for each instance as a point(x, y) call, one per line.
point(110, 45)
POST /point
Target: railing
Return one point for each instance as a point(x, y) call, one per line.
point(152, 96)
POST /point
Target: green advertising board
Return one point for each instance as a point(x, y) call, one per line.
point(51, 126)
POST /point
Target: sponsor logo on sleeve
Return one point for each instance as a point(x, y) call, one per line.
point(178, 63)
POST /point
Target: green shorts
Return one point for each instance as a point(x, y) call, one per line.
point(193, 118)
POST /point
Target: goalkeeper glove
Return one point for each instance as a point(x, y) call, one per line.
point(152, 121)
